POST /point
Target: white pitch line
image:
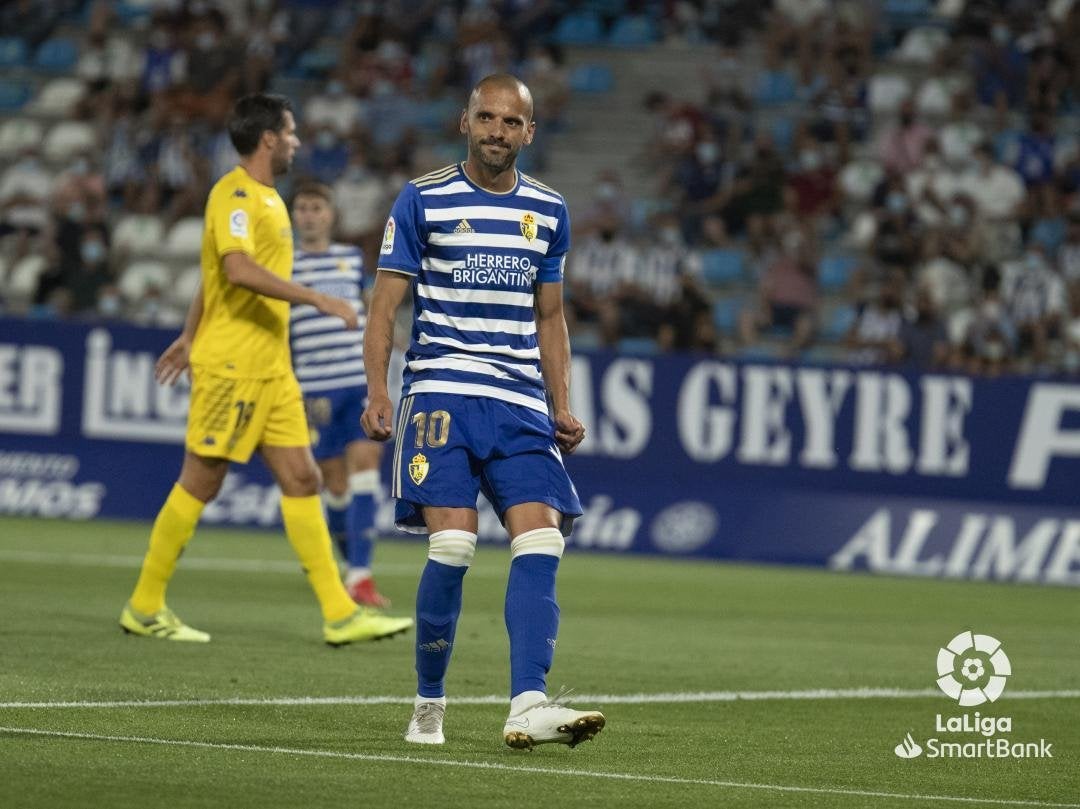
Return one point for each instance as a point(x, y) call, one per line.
point(482, 765)
point(207, 563)
point(499, 699)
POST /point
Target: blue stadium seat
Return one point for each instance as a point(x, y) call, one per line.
point(13, 52)
point(835, 270)
point(635, 31)
point(317, 62)
point(783, 133)
point(722, 266)
point(579, 28)
point(57, 55)
point(592, 78)
point(637, 345)
point(907, 13)
point(14, 94)
point(605, 8)
point(836, 322)
point(726, 314)
point(775, 87)
point(129, 13)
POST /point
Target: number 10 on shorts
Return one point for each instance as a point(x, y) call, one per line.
point(436, 427)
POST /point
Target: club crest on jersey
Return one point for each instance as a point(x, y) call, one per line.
point(418, 468)
point(388, 237)
point(528, 226)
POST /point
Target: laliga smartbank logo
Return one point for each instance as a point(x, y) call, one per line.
point(973, 670)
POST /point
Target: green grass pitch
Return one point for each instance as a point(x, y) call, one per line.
point(631, 626)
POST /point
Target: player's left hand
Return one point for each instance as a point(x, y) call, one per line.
point(173, 361)
point(569, 432)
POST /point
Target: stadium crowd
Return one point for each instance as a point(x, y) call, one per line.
point(889, 182)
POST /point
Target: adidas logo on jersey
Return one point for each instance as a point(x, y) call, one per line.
point(464, 227)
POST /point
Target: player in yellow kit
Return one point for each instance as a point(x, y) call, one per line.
point(244, 396)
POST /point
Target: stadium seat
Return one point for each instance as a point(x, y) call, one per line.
point(579, 28)
point(17, 134)
point(836, 321)
point(835, 270)
point(592, 78)
point(141, 276)
point(69, 138)
point(57, 55)
point(138, 235)
point(584, 339)
point(185, 238)
point(183, 288)
point(637, 345)
point(14, 93)
point(859, 178)
point(783, 133)
point(13, 52)
point(722, 266)
point(726, 313)
point(886, 92)
point(22, 279)
point(774, 87)
point(633, 31)
point(35, 184)
point(58, 98)
point(903, 14)
point(130, 11)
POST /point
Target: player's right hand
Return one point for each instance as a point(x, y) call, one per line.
point(378, 418)
point(338, 307)
point(173, 361)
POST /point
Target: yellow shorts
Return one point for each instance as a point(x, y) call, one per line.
point(230, 418)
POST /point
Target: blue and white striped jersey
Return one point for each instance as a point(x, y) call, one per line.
point(476, 256)
point(325, 355)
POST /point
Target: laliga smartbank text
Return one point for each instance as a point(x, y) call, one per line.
point(992, 745)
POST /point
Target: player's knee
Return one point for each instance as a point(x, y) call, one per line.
point(548, 541)
point(452, 547)
point(303, 481)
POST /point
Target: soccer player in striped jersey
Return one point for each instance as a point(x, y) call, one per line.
point(329, 363)
point(485, 403)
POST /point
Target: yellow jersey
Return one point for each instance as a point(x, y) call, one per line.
point(243, 334)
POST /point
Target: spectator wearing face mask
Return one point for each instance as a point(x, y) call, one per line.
point(698, 184)
point(325, 158)
point(92, 274)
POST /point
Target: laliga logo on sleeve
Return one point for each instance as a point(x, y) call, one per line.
point(972, 669)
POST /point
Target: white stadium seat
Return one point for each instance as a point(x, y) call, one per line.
point(22, 280)
point(58, 98)
point(18, 133)
point(69, 138)
point(138, 235)
point(183, 289)
point(142, 275)
point(185, 238)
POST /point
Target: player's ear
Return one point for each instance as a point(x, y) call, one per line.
point(463, 124)
point(530, 130)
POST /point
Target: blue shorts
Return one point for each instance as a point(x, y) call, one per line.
point(450, 448)
point(334, 420)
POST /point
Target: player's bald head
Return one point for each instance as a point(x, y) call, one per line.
point(503, 83)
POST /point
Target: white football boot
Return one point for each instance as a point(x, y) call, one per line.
point(425, 727)
point(550, 721)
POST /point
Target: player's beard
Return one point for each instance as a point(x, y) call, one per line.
point(280, 163)
point(498, 165)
